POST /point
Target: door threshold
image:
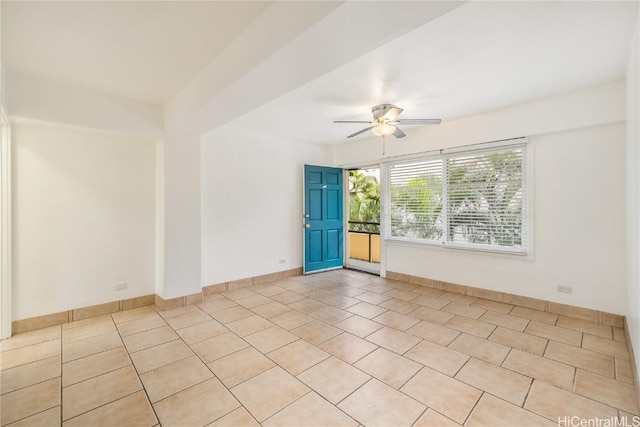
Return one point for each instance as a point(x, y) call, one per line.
point(306, 273)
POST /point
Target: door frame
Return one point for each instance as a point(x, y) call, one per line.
point(303, 220)
point(5, 225)
point(383, 250)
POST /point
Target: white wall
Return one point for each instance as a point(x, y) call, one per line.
point(633, 191)
point(578, 147)
point(83, 217)
point(252, 203)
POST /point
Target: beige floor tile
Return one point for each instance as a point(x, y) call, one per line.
point(253, 301)
point(450, 397)
point(377, 404)
point(459, 298)
point(348, 347)
point(366, 310)
point(88, 321)
point(480, 348)
point(187, 319)
point(537, 315)
point(333, 379)
point(267, 290)
point(29, 338)
point(440, 358)
point(470, 326)
point(217, 305)
point(48, 418)
point(431, 418)
point(500, 382)
point(359, 326)
point(270, 339)
point(432, 315)
point(217, 347)
point(89, 346)
point(627, 419)
point(249, 325)
point(291, 319)
point(554, 403)
point(396, 320)
point(258, 397)
point(87, 331)
point(624, 371)
point(465, 310)
point(541, 368)
point(132, 410)
point(605, 346)
point(603, 331)
point(178, 311)
point(496, 306)
point(231, 314)
point(519, 340)
point(271, 309)
point(298, 356)
point(404, 307)
point(29, 401)
point(491, 411)
point(607, 390)
point(287, 297)
point(330, 314)
point(196, 406)
point(310, 410)
point(431, 301)
point(372, 297)
point(394, 340)
point(388, 367)
point(350, 291)
point(578, 357)
point(160, 355)
point(237, 294)
point(142, 324)
point(401, 295)
point(432, 292)
point(240, 366)
point(434, 332)
point(32, 373)
point(201, 331)
point(316, 332)
point(307, 305)
point(136, 313)
point(618, 334)
point(339, 301)
point(505, 320)
point(150, 338)
point(32, 353)
point(92, 366)
point(90, 394)
point(173, 378)
point(554, 333)
point(236, 418)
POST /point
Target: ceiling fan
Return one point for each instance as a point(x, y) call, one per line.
point(385, 121)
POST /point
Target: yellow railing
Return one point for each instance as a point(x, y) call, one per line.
point(364, 246)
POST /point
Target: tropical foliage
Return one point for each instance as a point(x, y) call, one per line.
point(364, 201)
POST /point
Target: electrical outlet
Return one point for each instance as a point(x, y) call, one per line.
point(565, 289)
point(120, 286)
point(282, 261)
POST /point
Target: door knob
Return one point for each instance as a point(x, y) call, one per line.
point(306, 215)
point(307, 226)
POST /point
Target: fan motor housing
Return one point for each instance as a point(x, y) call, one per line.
point(380, 110)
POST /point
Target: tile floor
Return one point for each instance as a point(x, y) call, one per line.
point(333, 349)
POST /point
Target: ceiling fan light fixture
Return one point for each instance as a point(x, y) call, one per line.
point(383, 129)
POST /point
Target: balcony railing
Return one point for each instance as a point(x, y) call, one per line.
point(364, 245)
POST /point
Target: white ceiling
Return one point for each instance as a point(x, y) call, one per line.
point(477, 57)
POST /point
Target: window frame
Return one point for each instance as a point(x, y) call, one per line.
point(443, 155)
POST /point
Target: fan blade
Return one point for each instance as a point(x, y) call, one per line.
point(392, 113)
point(360, 131)
point(352, 121)
point(420, 121)
point(398, 133)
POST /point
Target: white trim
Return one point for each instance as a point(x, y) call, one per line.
point(5, 224)
point(369, 267)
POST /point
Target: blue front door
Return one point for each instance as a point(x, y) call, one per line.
point(323, 239)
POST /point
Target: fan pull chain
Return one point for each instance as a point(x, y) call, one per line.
point(383, 145)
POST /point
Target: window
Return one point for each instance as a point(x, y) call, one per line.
point(473, 199)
